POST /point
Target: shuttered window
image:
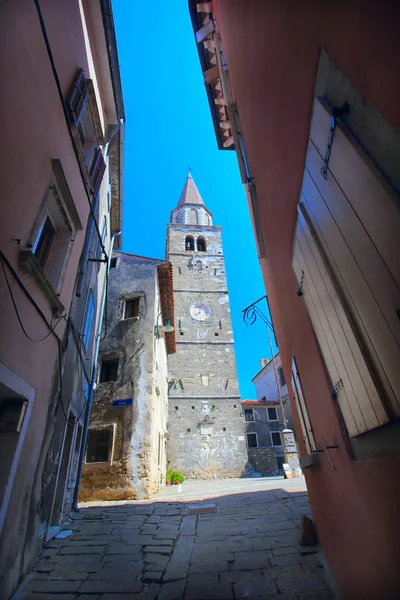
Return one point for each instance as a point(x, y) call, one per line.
point(77, 96)
point(302, 411)
point(96, 171)
point(357, 395)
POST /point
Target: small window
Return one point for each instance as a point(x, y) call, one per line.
point(99, 445)
point(282, 379)
point(109, 370)
point(88, 322)
point(252, 440)
point(113, 262)
point(201, 244)
point(276, 438)
point(248, 414)
point(189, 243)
point(44, 241)
point(272, 414)
point(204, 380)
point(132, 308)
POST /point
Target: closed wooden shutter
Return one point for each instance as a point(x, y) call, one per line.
point(356, 219)
point(306, 427)
point(96, 172)
point(77, 96)
point(357, 395)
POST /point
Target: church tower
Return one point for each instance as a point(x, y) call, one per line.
point(207, 433)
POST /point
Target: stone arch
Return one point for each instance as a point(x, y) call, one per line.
point(189, 242)
point(201, 244)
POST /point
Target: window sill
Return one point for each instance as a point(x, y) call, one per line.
point(30, 265)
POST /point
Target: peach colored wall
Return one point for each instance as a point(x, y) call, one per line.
point(356, 507)
point(33, 132)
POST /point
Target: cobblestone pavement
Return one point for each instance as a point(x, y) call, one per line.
point(216, 540)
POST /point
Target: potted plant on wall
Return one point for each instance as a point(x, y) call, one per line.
point(176, 478)
point(168, 477)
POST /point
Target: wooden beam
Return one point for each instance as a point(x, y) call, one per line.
point(209, 44)
point(225, 124)
point(229, 142)
point(221, 101)
point(202, 33)
point(211, 75)
point(204, 7)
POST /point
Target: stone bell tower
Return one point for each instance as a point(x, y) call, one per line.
point(207, 433)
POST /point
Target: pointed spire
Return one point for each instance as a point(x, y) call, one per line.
point(190, 194)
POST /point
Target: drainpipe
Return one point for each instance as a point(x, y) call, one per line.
point(91, 388)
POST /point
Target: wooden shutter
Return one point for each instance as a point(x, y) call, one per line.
point(306, 428)
point(211, 75)
point(77, 96)
point(356, 218)
point(96, 172)
point(357, 395)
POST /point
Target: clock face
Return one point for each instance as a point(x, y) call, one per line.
point(200, 311)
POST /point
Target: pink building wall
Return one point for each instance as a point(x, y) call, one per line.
point(272, 50)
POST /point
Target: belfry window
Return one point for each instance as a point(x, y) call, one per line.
point(201, 244)
point(189, 242)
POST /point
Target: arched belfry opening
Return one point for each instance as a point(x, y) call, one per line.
point(201, 244)
point(189, 242)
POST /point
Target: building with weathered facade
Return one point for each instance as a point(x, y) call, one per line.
point(205, 425)
point(307, 95)
point(61, 182)
point(270, 384)
point(126, 451)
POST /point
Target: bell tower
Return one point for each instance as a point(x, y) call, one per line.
point(207, 433)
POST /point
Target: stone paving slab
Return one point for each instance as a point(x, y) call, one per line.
point(220, 540)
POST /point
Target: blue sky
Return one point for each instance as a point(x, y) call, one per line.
point(169, 127)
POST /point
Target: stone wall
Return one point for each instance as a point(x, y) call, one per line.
point(207, 438)
point(263, 460)
point(135, 465)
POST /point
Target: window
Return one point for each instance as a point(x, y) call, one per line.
point(113, 262)
point(88, 321)
point(248, 414)
point(49, 245)
point(99, 251)
point(252, 441)
point(272, 414)
point(85, 119)
point(282, 380)
point(44, 241)
point(132, 308)
point(189, 242)
point(201, 244)
point(99, 445)
point(204, 380)
point(276, 438)
point(109, 370)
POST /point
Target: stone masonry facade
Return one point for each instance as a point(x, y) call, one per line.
point(207, 433)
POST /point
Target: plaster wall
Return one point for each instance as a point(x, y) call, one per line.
point(34, 132)
point(355, 506)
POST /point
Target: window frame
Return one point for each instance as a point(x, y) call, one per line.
point(282, 380)
point(247, 439)
point(111, 449)
point(272, 441)
point(128, 300)
point(249, 410)
point(276, 413)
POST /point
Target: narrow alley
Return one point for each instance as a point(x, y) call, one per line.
point(218, 539)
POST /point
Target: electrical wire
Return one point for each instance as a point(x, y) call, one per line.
point(17, 312)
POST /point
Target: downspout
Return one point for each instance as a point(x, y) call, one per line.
point(91, 387)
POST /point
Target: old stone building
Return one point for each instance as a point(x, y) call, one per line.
point(205, 425)
point(126, 451)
